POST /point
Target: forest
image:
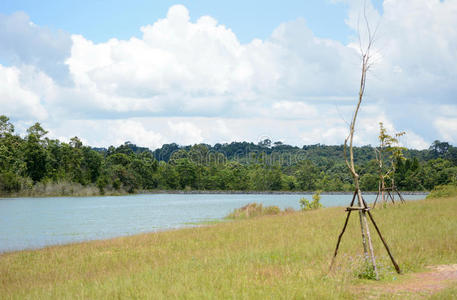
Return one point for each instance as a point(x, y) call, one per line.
point(37, 161)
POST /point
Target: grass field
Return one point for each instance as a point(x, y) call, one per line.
point(271, 257)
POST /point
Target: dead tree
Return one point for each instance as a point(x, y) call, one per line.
point(362, 207)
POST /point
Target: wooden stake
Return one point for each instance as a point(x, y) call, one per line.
point(397, 268)
point(366, 232)
point(377, 195)
point(342, 232)
point(391, 198)
point(399, 195)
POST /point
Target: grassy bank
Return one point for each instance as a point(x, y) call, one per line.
point(62, 189)
point(78, 190)
point(284, 256)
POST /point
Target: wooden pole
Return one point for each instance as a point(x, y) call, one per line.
point(391, 198)
point(377, 195)
point(399, 195)
point(397, 268)
point(366, 231)
point(342, 232)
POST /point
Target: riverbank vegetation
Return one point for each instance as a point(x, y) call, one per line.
point(35, 165)
point(280, 256)
point(254, 210)
point(305, 204)
point(449, 190)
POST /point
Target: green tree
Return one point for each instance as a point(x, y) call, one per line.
point(187, 172)
point(306, 175)
point(168, 176)
point(6, 127)
point(34, 153)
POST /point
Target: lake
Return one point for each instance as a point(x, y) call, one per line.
point(37, 222)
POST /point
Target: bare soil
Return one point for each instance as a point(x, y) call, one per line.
point(416, 286)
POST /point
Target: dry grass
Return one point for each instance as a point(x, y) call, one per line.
point(253, 210)
point(284, 256)
point(59, 189)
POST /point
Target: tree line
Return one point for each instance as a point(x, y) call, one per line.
point(35, 159)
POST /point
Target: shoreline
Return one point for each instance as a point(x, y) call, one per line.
point(272, 192)
point(204, 192)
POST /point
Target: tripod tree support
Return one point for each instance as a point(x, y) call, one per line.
point(391, 191)
point(388, 145)
point(366, 209)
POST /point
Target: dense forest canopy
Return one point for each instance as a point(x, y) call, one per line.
point(35, 159)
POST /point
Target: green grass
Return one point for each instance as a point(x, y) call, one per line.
point(206, 222)
point(270, 257)
point(449, 293)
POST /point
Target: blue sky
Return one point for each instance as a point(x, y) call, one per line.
point(101, 20)
point(154, 72)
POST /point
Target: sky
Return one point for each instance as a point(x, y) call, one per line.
point(155, 72)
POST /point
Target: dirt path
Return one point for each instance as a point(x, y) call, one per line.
point(416, 286)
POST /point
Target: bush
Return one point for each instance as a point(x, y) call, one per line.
point(102, 182)
point(9, 182)
point(271, 210)
point(305, 204)
point(442, 191)
point(253, 210)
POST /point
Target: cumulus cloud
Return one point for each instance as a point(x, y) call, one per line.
point(414, 141)
point(103, 133)
point(447, 128)
point(419, 51)
point(180, 67)
point(186, 132)
point(17, 101)
point(192, 82)
point(293, 110)
point(22, 42)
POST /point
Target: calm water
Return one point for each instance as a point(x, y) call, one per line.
point(37, 222)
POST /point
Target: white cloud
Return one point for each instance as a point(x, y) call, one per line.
point(22, 42)
point(103, 133)
point(15, 100)
point(414, 141)
point(193, 82)
point(419, 38)
point(293, 110)
point(186, 132)
point(134, 131)
point(180, 67)
point(447, 128)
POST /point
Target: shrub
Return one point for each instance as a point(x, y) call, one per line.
point(102, 182)
point(9, 182)
point(271, 210)
point(442, 191)
point(253, 210)
point(305, 204)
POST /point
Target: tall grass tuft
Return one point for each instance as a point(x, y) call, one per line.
point(254, 210)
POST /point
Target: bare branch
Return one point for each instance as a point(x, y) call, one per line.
point(341, 115)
